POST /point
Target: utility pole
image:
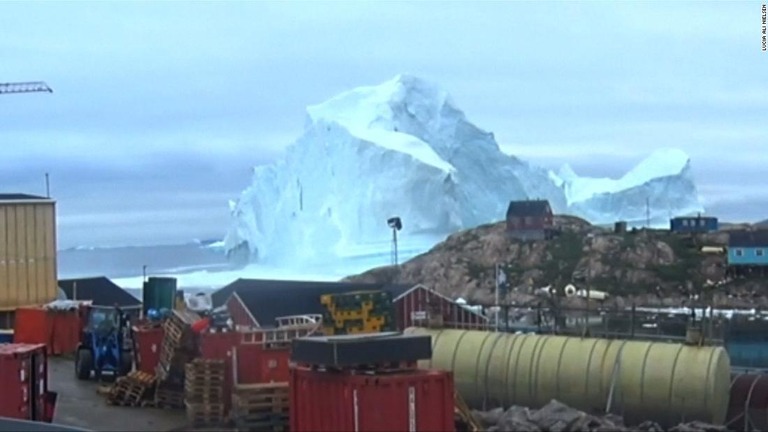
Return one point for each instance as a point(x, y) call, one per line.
point(47, 186)
point(647, 212)
point(396, 224)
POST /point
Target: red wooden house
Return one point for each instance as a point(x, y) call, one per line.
point(530, 220)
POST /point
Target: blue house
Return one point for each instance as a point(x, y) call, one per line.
point(693, 224)
point(748, 248)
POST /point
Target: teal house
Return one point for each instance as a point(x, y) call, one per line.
point(748, 248)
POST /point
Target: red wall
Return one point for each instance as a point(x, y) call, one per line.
point(257, 364)
point(239, 313)
point(423, 300)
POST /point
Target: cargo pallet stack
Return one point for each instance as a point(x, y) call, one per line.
point(261, 407)
point(368, 383)
point(358, 312)
point(204, 393)
point(177, 350)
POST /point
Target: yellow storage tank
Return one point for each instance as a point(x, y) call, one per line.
point(664, 382)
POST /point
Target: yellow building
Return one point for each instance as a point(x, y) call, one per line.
point(27, 253)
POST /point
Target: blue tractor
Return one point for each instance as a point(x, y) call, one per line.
point(103, 344)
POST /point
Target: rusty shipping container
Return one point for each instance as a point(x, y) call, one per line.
point(27, 251)
point(24, 383)
point(342, 401)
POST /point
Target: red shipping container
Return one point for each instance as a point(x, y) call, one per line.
point(32, 326)
point(146, 345)
point(65, 331)
point(24, 382)
point(418, 400)
point(58, 330)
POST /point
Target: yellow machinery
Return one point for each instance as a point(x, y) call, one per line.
point(357, 312)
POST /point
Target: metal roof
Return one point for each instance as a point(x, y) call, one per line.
point(100, 289)
point(757, 238)
point(267, 300)
point(528, 208)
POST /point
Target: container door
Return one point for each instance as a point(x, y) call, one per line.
point(35, 410)
point(26, 404)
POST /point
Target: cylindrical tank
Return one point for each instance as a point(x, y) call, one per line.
point(664, 382)
point(748, 407)
point(159, 293)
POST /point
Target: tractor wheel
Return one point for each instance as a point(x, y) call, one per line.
point(127, 363)
point(84, 364)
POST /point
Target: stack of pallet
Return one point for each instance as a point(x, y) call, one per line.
point(204, 393)
point(178, 346)
point(177, 350)
point(261, 407)
point(358, 312)
point(131, 389)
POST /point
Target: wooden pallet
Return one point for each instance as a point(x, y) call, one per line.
point(131, 389)
point(262, 407)
point(205, 414)
point(169, 398)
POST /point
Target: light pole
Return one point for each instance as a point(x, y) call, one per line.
point(396, 224)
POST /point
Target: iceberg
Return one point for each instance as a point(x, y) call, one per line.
point(402, 148)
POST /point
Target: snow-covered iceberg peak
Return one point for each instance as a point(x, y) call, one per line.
point(390, 115)
point(380, 106)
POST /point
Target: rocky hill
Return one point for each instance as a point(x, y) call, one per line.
point(649, 267)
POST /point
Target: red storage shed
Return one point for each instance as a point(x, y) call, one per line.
point(417, 400)
point(24, 383)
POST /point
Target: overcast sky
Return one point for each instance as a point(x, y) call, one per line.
point(161, 109)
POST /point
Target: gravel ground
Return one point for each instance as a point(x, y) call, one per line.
point(80, 405)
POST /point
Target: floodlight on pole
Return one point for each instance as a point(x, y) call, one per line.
point(396, 224)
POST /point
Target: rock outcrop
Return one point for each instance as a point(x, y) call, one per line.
point(647, 267)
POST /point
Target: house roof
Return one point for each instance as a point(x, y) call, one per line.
point(20, 197)
point(528, 208)
point(678, 218)
point(270, 299)
point(100, 289)
point(757, 238)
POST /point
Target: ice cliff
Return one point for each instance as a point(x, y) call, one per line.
point(402, 148)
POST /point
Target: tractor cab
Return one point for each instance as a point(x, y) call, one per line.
point(103, 344)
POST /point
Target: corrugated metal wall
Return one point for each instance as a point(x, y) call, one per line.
point(27, 253)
